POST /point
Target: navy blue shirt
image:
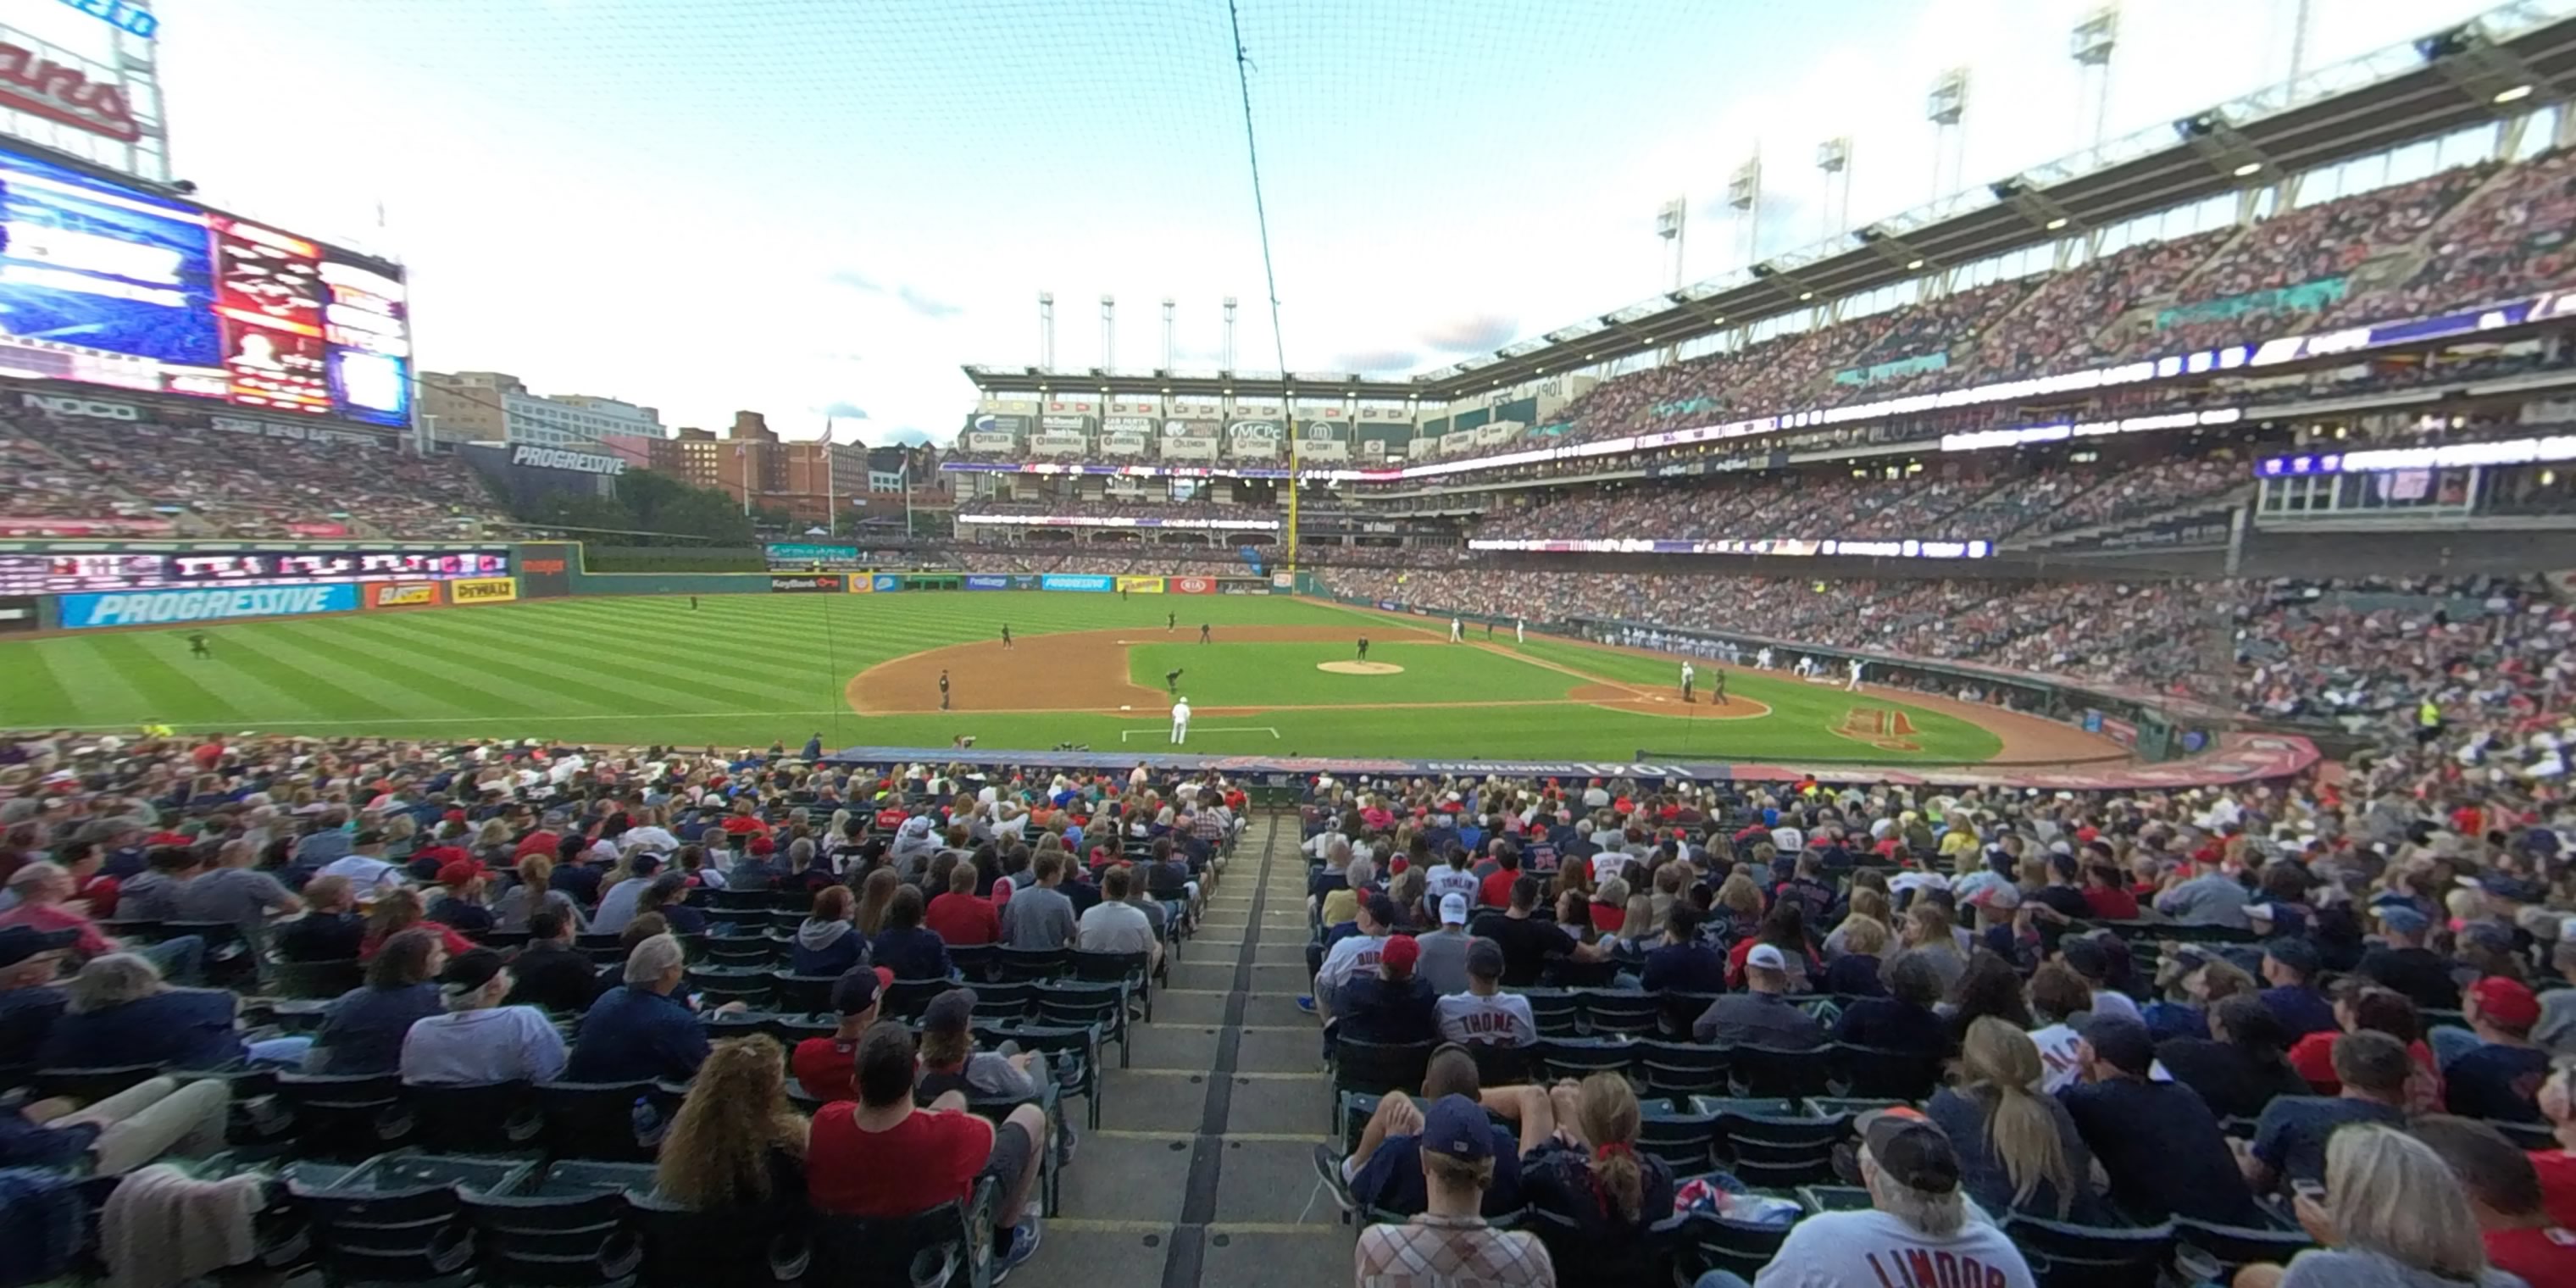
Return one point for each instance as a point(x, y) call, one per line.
point(2496, 1082)
point(917, 953)
point(580, 880)
point(2301, 1010)
point(182, 1028)
point(1391, 1179)
point(2291, 1136)
point(362, 1030)
point(1891, 1025)
point(1375, 1009)
point(632, 1033)
point(1694, 967)
point(2163, 1151)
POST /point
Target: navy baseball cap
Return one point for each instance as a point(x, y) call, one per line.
point(1456, 1127)
point(2122, 1041)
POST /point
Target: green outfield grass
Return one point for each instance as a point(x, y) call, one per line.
point(751, 669)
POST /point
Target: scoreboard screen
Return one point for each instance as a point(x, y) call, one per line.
point(71, 573)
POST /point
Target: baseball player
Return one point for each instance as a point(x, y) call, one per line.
point(1364, 648)
point(943, 690)
point(1856, 665)
point(1457, 631)
point(1180, 722)
point(1716, 686)
point(1517, 636)
point(1688, 674)
point(1763, 658)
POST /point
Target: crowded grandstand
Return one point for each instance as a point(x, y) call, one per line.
point(2243, 462)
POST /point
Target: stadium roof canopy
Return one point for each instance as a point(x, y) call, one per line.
point(2452, 81)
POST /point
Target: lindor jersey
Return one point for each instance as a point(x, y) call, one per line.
point(1874, 1250)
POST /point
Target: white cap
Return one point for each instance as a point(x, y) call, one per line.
point(1766, 956)
point(1453, 909)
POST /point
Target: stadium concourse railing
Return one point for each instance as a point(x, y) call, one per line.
point(2146, 724)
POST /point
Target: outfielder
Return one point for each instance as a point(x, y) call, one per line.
point(1517, 636)
point(1180, 722)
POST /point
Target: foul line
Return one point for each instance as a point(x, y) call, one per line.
point(1125, 734)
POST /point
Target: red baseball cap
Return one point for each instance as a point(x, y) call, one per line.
point(456, 872)
point(763, 845)
point(1400, 953)
point(2508, 1002)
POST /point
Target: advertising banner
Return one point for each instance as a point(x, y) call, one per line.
point(545, 569)
point(17, 613)
point(782, 554)
point(1193, 440)
point(1253, 439)
point(885, 583)
point(1243, 585)
point(402, 594)
point(805, 583)
point(483, 590)
point(1193, 585)
point(1125, 435)
point(169, 607)
point(1077, 581)
point(1140, 585)
point(980, 581)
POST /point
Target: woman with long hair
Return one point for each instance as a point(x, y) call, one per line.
point(2393, 1213)
point(1592, 1173)
point(2241, 1065)
point(1784, 928)
point(876, 892)
point(668, 895)
point(829, 943)
point(735, 1142)
point(2018, 1148)
point(399, 910)
point(363, 1029)
point(1989, 987)
point(1926, 933)
point(1738, 909)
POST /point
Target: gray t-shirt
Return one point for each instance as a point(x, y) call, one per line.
point(242, 896)
point(1112, 928)
point(2213, 900)
point(1444, 960)
point(2360, 1268)
point(1037, 917)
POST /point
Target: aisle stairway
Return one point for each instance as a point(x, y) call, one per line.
point(1200, 1172)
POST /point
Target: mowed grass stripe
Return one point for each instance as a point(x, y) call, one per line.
point(91, 680)
point(548, 689)
point(794, 639)
point(334, 653)
point(37, 691)
point(693, 680)
point(257, 679)
point(161, 685)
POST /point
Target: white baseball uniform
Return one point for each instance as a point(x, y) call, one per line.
point(1181, 721)
point(1517, 636)
point(1854, 686)
point(1457, 631)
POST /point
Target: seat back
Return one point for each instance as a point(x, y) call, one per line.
point(1500, 1064)
point(757, 1246)
point(398, 1217)
point(615, 1121)
point(976, 963)
point(1681, 1068)
point(1778, 1072)
point(1109, 966)
point(1558, 1013)
point(1379, 1067)
point(721, 983)
point(1684, 1140)
point(1013, 1001)
point(1911, 1076)
point(1613, 1011)
point(315, 980)
point(796, 994)
point(2078, 1255)
point(908, 998)
point(1621, 1261)
point(1583, 1057)
point(1030, 963)
point(925, 1250)
point(1739, 1247)
point(1775, 1145)
point(94, 1083)
point(347, 1116)
point(555, 1235)
point(2230, 1248)
point(755, 951)
point(475, 1117)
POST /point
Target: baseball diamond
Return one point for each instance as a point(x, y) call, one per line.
point(1087, 670)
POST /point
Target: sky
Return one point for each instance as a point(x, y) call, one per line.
point(819, 209)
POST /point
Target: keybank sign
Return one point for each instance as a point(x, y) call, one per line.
point(556, 458)
point(165, 607)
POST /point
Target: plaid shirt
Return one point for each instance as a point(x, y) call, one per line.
point(1449, 1252)
point(1206, 826)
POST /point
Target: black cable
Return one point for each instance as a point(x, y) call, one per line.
point(1260, 210)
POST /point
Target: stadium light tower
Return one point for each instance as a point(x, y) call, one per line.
point(1946, 107)
point(1108, 334)
point(1167, 333)
point(1046, 330)
point(2091, 45)
point(1669, 222)
point(1744, 193)
point(1833, 160)
point(1229, 333)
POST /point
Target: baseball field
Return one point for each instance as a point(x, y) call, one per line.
point(1277, 676)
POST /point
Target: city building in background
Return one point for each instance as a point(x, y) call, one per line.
point(495, 407)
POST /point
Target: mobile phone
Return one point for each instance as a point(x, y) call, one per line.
point(2314, 1191)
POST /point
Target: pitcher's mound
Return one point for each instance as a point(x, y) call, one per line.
point(1359, 668)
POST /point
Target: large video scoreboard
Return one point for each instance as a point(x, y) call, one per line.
point(72, 573)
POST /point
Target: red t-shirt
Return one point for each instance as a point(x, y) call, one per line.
point(828, 1067)
point(207, 755)
point(540, 841)
point(963, 920)
point(742, 824)
point(1496, 892)
point(1607, 919)
point(2111, 903)
point(2557, 1170)
point(931, 1157)
point(2544, 1258)
point(99, 895)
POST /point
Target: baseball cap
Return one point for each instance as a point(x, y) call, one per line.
point(2122, 1041)
point(18, 943)
point(2085, 956)
point(468, 971)
point(950, 1012)
point(2513, 889)
point(1484, 959)
point(2000, 896)
point(1910, 1149)
point(2508, 1002)
point(1381, 910)
point(1766, 956)
point(2402, 919)
point(2298, 954)
point(859, 988)
point(1401, 953)
point(1456, 1127)
point(456, 872)
point(1453, 910)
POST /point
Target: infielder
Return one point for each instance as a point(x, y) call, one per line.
point(1517, 636)
point(1763, 658)
point(1180, 722)
point(1854, 686)
point(1687, 676)
point(1457, 631)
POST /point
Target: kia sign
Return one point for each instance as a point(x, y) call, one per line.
point(1193, 585)
point(556, 458)
point(168, 607)
point(829, 582)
